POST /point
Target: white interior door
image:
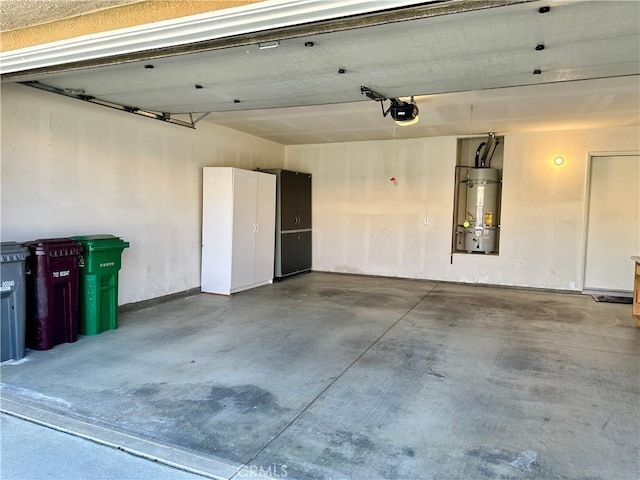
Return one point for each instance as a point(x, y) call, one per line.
point(613, 223)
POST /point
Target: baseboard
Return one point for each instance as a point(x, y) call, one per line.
point(130, 307)
point(611, 293)
point(452, 282)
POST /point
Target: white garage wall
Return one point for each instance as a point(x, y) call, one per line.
point(70, 168)
point(364, 223)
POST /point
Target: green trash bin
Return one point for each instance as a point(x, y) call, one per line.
point(99, 266)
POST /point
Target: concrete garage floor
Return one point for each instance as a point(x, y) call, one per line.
point(326, 376)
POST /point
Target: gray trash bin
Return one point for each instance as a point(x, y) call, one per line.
point(13, 303)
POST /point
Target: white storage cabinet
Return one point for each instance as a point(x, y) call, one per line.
point(238, 229)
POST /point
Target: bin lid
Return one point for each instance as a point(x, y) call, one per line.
point(55, 247)
point(94, 243)
point(13, 252)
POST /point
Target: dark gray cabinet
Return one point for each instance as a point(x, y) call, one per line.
point(295, 200)
point(293, 222)
point(296, 252)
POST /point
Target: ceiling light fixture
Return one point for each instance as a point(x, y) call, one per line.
point(267, 45)
point(404, 113)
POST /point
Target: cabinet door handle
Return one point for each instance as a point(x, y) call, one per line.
point(254, 227)
point(257, 227)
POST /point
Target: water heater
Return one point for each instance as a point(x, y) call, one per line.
point(481, 222)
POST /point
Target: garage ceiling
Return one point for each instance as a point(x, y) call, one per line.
point(599, 103)
point(576, 64)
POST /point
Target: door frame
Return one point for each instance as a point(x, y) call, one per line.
point(585, 222)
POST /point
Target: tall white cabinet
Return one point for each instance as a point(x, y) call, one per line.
point(238, 229)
